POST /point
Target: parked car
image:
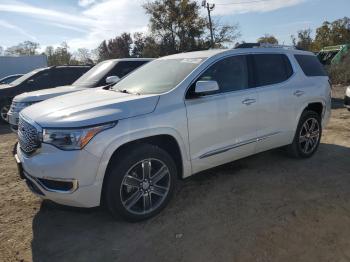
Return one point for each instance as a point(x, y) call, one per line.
point(178, 115)
point(104, 73)
point(9, 79)
point(38, 79)
point(347, 98)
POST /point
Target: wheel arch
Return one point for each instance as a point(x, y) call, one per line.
point(169, 140)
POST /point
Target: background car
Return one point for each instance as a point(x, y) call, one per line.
point(9, 79)
point(105, 73)
point(347, 98)
point(48, 77)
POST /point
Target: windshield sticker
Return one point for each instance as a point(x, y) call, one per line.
point(191, 60)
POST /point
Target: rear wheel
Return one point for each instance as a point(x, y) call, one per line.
point(308, 135)
point(140, 183)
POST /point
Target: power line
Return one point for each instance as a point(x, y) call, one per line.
point(242, 3)
point(210, 8)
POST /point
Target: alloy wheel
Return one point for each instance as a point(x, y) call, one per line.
point(309, 135)
point(145, 186)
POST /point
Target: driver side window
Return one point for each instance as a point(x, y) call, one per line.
point(230, 73)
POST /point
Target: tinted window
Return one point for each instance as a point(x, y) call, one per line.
point(123, 68)
point(42, 80)
point(66, 76)
point(271, 69)
point(230, 73)
point(310, 65)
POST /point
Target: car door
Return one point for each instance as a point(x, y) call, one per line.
point(276, 111)
point(222, 125)
point(40, 81)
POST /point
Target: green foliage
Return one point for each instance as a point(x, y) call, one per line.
point(304, 40)
point(340, 73)
point(268, 39)
point(329, 34)
point(24, 48)
point(335, 33)
point(59, 56)
point(118, 47)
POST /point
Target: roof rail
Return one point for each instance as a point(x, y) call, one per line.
point(265, 45)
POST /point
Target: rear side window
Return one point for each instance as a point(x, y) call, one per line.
point(271, 69)
point(66, 76)
point(310, 65)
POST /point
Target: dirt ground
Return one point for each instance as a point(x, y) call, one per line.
point(267, 207)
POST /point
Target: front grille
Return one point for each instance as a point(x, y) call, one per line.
point(27, 136)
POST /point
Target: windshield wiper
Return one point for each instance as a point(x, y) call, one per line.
point(124, 91)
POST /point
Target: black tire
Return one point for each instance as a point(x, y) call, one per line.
point(4, 108)
point(297, 148)
point(132, 161)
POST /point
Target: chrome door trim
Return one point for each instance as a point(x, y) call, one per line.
point(243, 143)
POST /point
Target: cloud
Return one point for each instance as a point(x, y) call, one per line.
point(230, 7)
point(99, 21)
point(118, 17)
point(104, 19)
point(46, 14)
point(8, 25)
point(85, 3)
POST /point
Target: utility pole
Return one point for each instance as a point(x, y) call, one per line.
point(210, 8)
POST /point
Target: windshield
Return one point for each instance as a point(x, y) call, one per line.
point(158, 76)
point(95, 74)
point(25, 77)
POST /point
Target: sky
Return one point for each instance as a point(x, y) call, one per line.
point(86, 23)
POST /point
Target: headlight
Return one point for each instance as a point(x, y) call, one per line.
point(73, 139)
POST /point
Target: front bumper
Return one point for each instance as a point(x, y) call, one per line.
point(12, 118)
point(65, 177)
point(347, 101)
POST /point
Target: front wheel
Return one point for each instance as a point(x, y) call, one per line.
point(3, 112)
point(140, 183)
point(308, 135)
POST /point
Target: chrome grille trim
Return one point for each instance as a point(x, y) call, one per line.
point(28, 136)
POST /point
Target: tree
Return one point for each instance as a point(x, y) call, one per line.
point(223, 33)
point(268, 39)
point(25, 48)
point(118, 47)
point(59, 56)
point(176, 24)
point(1, 50)
point(335, 33)
point(83, 56)
point(304, 40)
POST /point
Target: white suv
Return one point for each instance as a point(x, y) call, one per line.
point(178, 115)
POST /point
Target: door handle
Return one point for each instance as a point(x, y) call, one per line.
point(248, 101)
point(299, 93)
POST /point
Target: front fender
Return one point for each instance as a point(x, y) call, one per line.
point(141, 134)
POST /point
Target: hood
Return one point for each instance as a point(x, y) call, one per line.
point(5, 86)
point(89, 107)
point(44, 94)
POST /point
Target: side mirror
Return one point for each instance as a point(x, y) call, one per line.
point(204, 87)
point(112, 80)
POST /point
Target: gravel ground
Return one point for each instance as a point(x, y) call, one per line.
point(267, 207)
